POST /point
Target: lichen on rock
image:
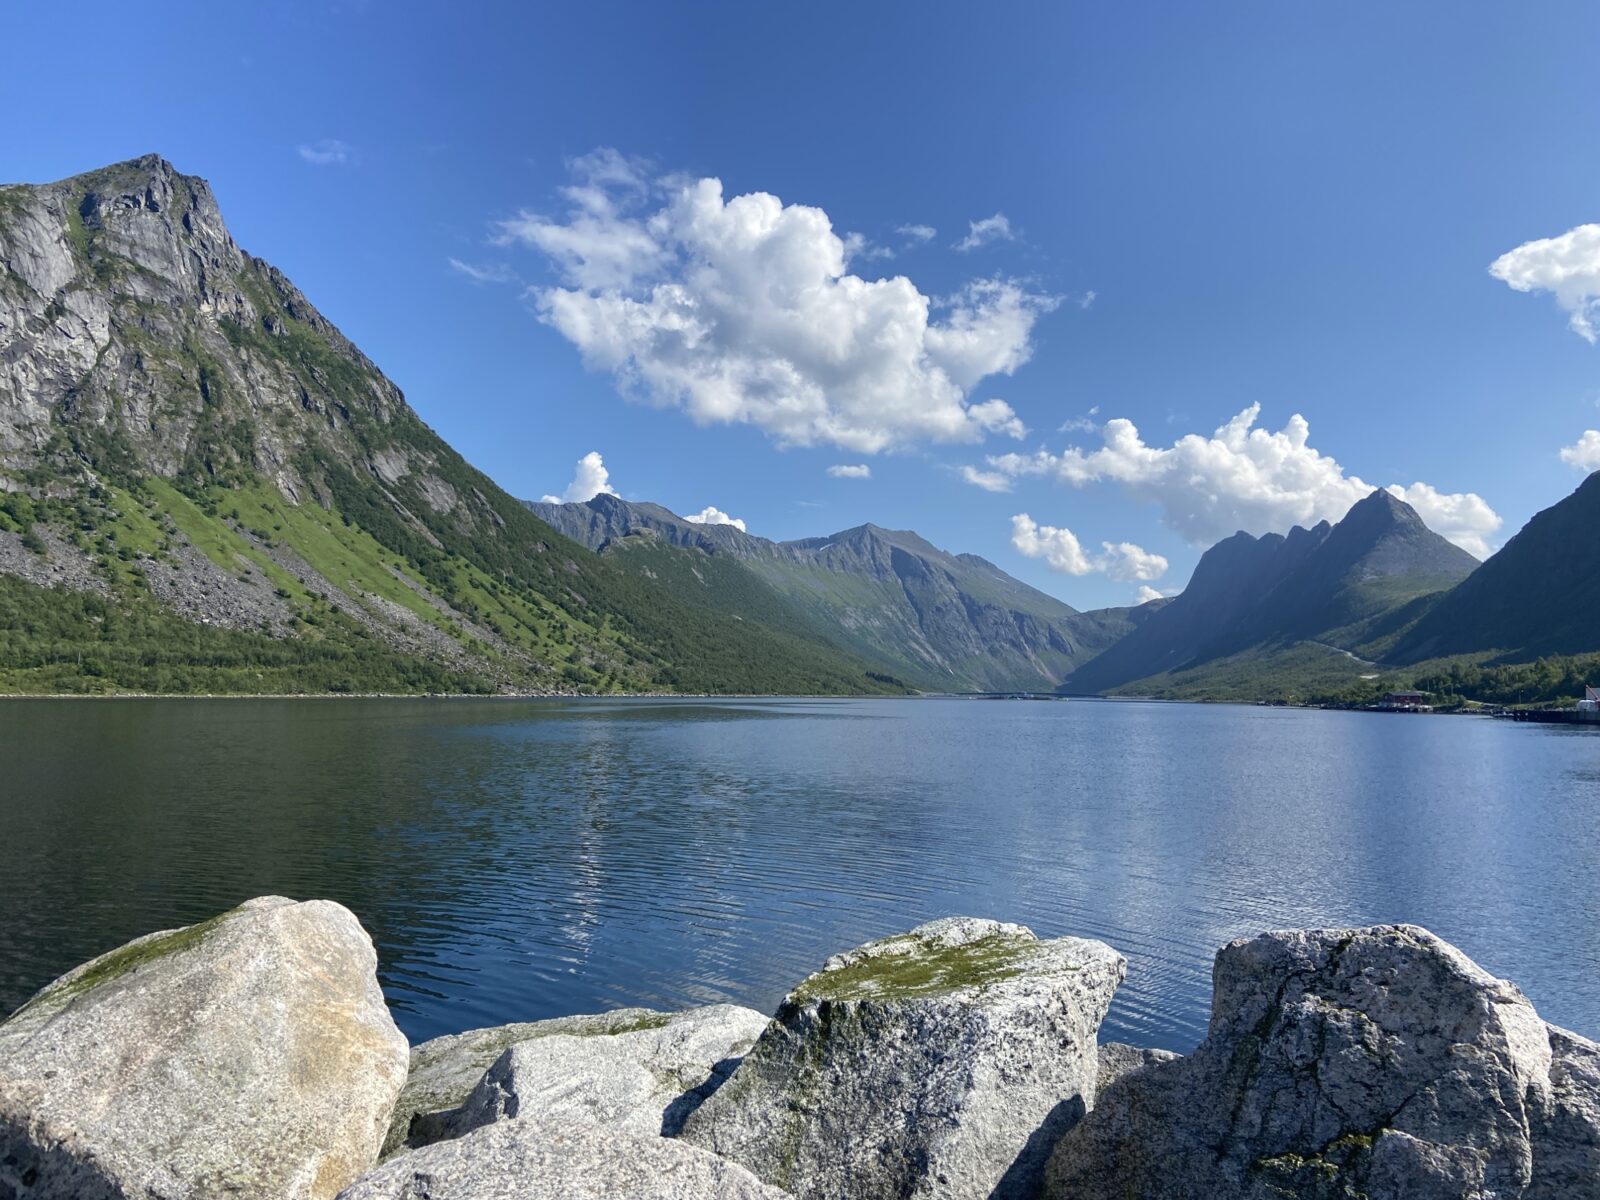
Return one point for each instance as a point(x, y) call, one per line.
point(941, 1062)
point(250, 1055)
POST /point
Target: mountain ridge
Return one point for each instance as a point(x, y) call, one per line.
point(1531, 598)
point(944, 621)
point(1327, 585)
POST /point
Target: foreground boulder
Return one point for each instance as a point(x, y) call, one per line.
point(646, 1079)
point(445, 1070)
point(1377, 1062)
point(942, 1062)
point(528, 1159)
point(248, 1056)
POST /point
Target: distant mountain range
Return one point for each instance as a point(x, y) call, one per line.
point(1340, 587)
point(948, 622)
point(205, 487)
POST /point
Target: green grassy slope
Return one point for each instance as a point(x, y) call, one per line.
point(255, 508)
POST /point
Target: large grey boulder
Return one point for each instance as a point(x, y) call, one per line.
point(941, 1062)
point(249, 1056)
point(528, 1159)
point(445, 1070)
point(1378, 1062)
point(647, 1079)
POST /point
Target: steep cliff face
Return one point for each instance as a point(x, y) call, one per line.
point(135, 330)
point(945, 621)
point(180, 427)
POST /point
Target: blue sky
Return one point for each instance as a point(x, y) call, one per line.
point(1286, 206)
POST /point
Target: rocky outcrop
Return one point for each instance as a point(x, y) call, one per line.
point(633, 1069)
point(445, 1070)
point(528, 1159)
point(647, 1079)
point(1376, 1062)
point(942, 1062)
point(251, 1056)
point(248, 1056)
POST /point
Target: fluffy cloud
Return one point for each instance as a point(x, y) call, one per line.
point(980, 233)
point(743, 310)
point(1568, 267)
point(327, 152)
point(850, 471)
point(1130, 563)
point(1147, 593)
point(1062, 551)
point(1240, 477)
point(989, 481)
point(589, 480)
point(712, 515)
point(917, 233)
point(485, 273)
point(1585, 452)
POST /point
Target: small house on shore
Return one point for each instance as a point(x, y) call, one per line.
point(1405, 701)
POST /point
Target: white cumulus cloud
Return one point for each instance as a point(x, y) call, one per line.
point(1585, 452)
point(1568, 267)
point(917, 233)
point(712, 515)
point(327, 152)
point(743, 310)
point(1147, 593)
point(1240, 477)
point(980, 233)
point(850, 471)
point(1062, 551)
point(589, 480)
point(1130, 563)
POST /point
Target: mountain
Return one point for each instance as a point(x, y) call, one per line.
point(939, 620)
point(1534, 597)
point(205, 486)
point(1323, 595)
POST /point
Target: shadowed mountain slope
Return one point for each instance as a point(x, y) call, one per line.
point(1332, 585)
point(939, 620)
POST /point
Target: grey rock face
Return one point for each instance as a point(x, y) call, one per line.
point(526, 1159)
point(647, 1079)
point(1117, 1060)
point(631, 1069)
point(1378, 1062)
point(248, 1056)
point(445, 1070)
point(941, 1062)
point(118, 292)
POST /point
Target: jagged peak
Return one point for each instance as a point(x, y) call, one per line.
point(1382, 505)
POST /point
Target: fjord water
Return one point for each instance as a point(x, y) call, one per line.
point(526, 859)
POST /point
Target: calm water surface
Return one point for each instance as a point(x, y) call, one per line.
point(525, 859)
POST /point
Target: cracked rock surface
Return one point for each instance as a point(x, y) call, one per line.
point(633, 1069)
point(941, 1062)
point(529, 1159)
point(1342, 1063)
